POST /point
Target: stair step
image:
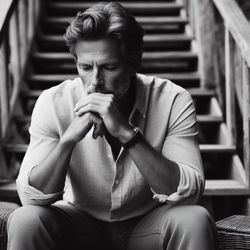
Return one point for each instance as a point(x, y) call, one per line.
point(212, 188)
point(195, 92)
point(217, 148)
point(15, 148)
point(213, 132)
point(178, 61)
point(43, 81)
point(200, 118)
point(167, 42)
point(147, 56)
point(21, 148)
point(155, 8)
point(8, 189)
point(202, 98)
point(143, 20)
point(155, 24)
point(225, 188)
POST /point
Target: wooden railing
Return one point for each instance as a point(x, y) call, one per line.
point(223, 34)
point(18, 19)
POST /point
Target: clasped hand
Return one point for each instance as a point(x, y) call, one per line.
point(98, 110)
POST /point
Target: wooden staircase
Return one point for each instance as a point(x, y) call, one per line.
point(170, 52)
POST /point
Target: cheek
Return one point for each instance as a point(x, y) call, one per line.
point(86, 79)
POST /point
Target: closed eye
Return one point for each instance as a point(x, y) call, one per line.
point(85, 67)
point(110, 67)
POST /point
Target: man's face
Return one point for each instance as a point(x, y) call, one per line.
point(102, 67)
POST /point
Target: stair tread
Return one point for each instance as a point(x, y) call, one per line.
point(128, 5)
point(212, 187)
point(146, 55)
point(193, 91)
point(15, 148)
point(141, 19)
point(147, 38)
point(217, 148)
point(203, 147)
point(225, 187)
point(200, 118)
point(62, 77)
point(8, 188)
point(209, 119)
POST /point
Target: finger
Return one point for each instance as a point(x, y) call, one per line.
point(83, 103)
point(93, 108)
point(93, 98)
point(99, 129)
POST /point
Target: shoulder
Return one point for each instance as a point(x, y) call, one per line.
point(68, 88)
point(160, 84)
point(163, 88)
point(59, 100)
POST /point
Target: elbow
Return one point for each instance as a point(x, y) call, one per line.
point(30, 196)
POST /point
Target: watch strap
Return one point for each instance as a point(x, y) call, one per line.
point(134, 140)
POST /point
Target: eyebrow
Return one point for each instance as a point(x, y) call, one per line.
point(102, 64)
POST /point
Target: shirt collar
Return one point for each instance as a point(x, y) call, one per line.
point(141, 97)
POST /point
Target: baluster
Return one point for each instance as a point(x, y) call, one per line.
point(4, 86)
point(246, 119)
point(230, 90)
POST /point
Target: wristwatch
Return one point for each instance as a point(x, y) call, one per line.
point(137, 137)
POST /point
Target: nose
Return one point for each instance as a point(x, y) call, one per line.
point(97, 79)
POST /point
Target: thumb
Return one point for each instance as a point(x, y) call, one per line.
point(99, 127)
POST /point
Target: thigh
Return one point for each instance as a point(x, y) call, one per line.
point(177, 227)
point(79, 230)
point(54, 227)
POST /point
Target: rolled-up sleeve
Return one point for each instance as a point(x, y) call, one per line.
point(181, 146)
point(43, 139)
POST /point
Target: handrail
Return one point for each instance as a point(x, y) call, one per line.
point(223, 34)
point(237, 24)
point(7, 8)
point(18, 19)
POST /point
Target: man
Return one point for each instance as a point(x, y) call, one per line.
point(119, 146)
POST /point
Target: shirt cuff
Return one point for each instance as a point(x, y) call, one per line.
point(30, 195)
point(190, 185)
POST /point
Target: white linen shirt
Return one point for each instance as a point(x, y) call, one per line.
point(108, 189)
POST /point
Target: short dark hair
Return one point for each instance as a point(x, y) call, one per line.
point(108, 20)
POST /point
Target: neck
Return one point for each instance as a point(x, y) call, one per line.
point(127, 101)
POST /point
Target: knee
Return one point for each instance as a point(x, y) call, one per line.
point(27, 219)
point(193, 219)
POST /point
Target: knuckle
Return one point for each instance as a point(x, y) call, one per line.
point(105, 110)
point(88, 116)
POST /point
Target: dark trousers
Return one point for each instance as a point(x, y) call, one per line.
point(186, 227)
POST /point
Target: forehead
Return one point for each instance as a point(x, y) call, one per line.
point(98, 50)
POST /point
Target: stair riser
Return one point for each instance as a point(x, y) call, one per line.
point(42, 84)
point(165, 9)
point(175, 45)
point(216, 165)
point(209, 133)
point(43, 67)
point(52, 28)
point(204, 101)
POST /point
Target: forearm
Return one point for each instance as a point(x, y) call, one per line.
point(162, 174)
point(49, 176)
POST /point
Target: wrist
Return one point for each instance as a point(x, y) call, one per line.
point(134, 138)
point(64, 142)
point(126, 134)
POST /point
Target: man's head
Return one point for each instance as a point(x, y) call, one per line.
point(106, 42)
point(112, 21)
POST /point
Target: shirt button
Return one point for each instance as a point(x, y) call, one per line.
point(117, 182)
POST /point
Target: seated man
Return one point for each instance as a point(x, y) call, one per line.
point(119, 147)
